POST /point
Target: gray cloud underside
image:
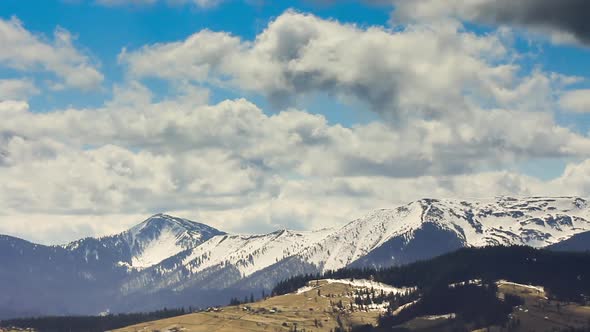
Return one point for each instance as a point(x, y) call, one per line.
point(561, 19)
point(571, 16)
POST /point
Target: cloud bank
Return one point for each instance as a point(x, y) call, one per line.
point(457, 113)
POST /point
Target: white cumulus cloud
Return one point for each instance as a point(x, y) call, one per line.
point(27, 52)
point(576, 101)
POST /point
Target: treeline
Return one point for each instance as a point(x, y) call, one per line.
point(90, 323)
point(236, 301)
point(476, 306)
point(565, 276)
point(473, 306)
point(251, 299)
point(366, 297)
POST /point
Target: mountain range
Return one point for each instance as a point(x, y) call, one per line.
point(173, 262)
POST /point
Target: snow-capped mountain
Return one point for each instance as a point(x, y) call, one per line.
point(168, 261)
point(224, 261)
point(163, 236)
point(85, 275)
point(426, 228)
point(148, 243)
point(385, 237)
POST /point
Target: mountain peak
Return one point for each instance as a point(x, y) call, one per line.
point(162, 235)
point(160, 221)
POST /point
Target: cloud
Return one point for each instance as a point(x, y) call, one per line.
point(576, 101)
point(296, 141)
point(236, 168)
point(564, 20)
point(309, 203)
point(457, 113)
point(17, 89)
point(424, 70)
point(61, 229)
point(125, 2)
point(395, 73)
point(455, 95)
point(198, 3)
point(575, 178)
point(25, 52)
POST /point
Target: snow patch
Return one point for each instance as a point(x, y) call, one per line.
point(403, 307)
point(251, 253)
point(468, 282)
point(437, 317)
point(304, 289)
point(158, 250)
point(363, 283)
point(539, 289)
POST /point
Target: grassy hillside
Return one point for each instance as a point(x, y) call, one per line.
point(323, 306)
point(317, 309)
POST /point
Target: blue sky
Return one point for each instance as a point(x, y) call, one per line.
point(254, 115)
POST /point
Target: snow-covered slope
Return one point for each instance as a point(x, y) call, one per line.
point(534, 221)
point(163, 236)
point(251, 253)
point(224, 261)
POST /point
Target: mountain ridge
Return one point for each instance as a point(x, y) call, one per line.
point(166, 261)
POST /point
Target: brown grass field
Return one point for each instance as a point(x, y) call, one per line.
point(307, 311)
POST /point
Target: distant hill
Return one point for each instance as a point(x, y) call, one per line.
point(579, 242)
point(99, 323)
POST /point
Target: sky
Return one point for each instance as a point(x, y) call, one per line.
point(254, 115)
